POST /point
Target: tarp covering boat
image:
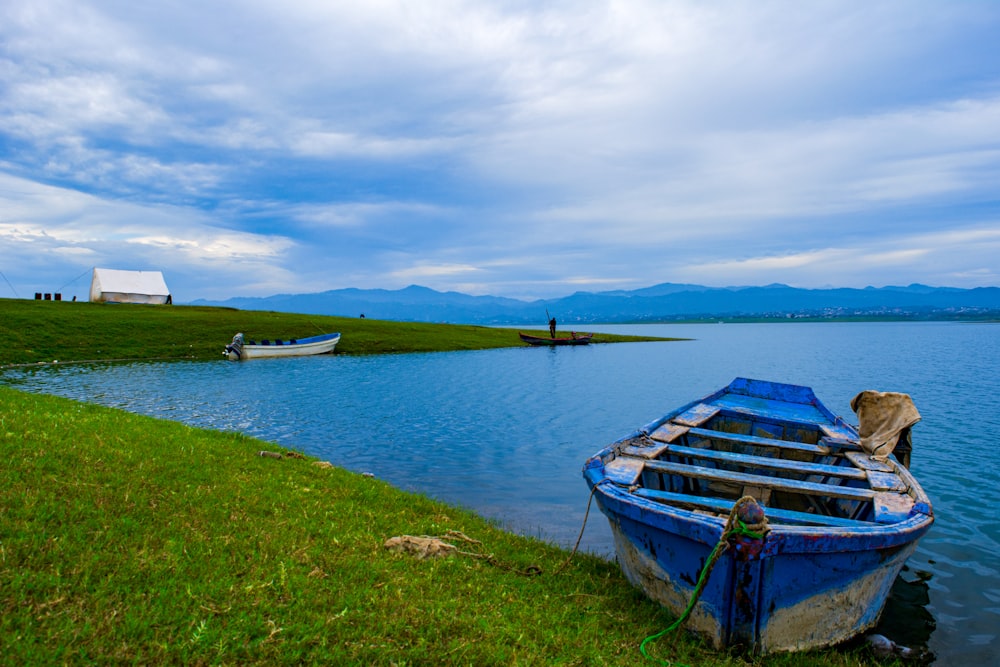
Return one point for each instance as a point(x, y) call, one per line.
point(882, 417)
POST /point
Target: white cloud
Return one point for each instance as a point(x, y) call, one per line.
point(432, 271)
point(356, 214)
point(339, 145)
point(51, 106)
point(942, 258)
point(40, 222)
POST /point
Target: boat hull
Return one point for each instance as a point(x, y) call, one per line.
point(323, 344)
point(807, 581)
point(765, 602)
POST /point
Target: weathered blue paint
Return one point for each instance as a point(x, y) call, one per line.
point(840, 525)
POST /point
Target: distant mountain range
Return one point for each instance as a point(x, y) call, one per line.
point(660, 303)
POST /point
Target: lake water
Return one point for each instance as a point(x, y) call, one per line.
point(506, 432)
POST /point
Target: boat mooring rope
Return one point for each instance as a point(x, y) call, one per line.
point(530, 571)
point(735, 525)
point(579, 537)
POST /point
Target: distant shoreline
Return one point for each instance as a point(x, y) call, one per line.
point(792, 319)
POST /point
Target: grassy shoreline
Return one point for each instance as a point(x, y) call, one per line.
point(128, 539)
point(47, 331)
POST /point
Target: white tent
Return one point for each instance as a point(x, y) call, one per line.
point(115, 286)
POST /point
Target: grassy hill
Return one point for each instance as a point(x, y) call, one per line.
point(45, 331)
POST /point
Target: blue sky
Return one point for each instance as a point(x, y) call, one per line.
point(520, 149)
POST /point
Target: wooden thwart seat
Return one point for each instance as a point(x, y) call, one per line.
point(866, 462)
point(723, 507)
point(762, 481)
point(624, 470)
point(696, 415)
point(749, 460)
point(757, 441)
point(648, 450)
point(892, 507)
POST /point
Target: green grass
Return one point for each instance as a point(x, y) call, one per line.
point(126, 539)
point(131, 540)
point(46, 331)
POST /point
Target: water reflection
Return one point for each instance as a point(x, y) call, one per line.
point(906, 619)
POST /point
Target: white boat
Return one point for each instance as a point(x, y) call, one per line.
point(240, 349)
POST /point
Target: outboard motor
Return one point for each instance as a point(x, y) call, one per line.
point(235, 349)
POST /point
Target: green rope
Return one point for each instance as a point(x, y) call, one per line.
point(702, 580)
point(734, 526)
point(742, 529)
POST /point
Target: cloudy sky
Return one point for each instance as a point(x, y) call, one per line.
point(520, 149)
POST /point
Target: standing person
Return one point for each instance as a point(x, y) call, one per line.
point(552, 328)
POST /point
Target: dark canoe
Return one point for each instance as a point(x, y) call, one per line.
point(575, 339)
point(837, 524)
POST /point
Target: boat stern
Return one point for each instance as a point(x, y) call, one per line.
point(234, 351)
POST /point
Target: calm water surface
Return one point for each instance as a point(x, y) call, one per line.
point(506, 432)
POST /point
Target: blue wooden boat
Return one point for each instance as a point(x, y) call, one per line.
point(831, 524)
